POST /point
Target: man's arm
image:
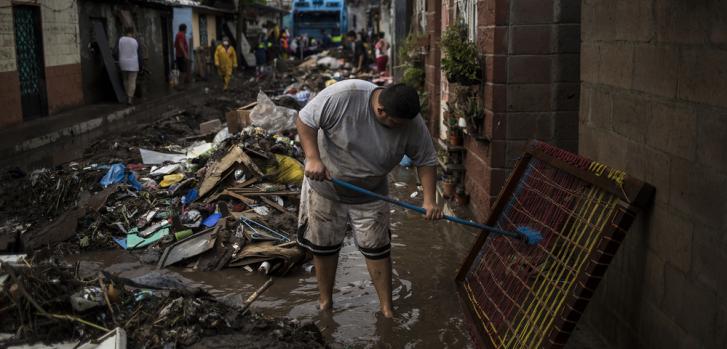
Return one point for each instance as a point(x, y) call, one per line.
point(314, 168)
point(428, 178)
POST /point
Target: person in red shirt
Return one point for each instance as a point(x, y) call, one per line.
point(181, 48)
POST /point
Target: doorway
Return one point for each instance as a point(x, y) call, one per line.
point(31, 65)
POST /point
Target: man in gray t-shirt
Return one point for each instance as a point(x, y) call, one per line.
point(358, 132)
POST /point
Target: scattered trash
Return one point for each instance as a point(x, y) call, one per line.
point(286, 170)
point(114, 175)
point(13, 259)
point(191, 219)
point(165, 170)
point(196, 150)
point(221, 136)
point(135, 241)
point(414, 194)
point(183, 234)
point(210, 126)
point(187, 248)
point(150, 157)
point(171, 179)
point(261, 210)
point(87, 298)
point(271, 117)
point(115, 339)
point(211, 220)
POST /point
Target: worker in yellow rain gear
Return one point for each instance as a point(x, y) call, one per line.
point(225, 61)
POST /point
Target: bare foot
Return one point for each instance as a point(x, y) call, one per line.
point(387, 313)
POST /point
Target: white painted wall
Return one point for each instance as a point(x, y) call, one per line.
point(61, 41)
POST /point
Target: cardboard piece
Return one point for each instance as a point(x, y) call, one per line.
point(239, 118)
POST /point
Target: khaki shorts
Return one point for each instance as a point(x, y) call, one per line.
point(322, 225)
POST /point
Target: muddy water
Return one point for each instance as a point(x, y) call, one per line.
point(426, 257)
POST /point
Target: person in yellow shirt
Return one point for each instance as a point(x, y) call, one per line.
point(225, 61)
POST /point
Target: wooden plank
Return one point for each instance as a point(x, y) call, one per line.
point(242, 198)
point(108, 60)
point(247, 183)
point(275, 205)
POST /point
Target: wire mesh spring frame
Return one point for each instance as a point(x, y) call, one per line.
point(634, 194)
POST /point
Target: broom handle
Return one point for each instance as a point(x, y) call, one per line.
point(421, 210)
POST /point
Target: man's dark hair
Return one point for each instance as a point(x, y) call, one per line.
point(351, 34)
point(182, 27)
point(128, 30)
point(381, 35)
point(400, 101)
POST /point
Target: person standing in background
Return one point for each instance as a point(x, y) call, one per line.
point(357, 54)
point(129, 62)
point(181, 49)
point(225, 61)
point(326, 41)
point(261, 50)
point(382, 57)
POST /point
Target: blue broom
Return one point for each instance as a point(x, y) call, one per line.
point(527, 234)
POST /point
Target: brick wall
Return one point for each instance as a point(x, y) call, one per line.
point(531, 90)
point(654, 102)
point(432, 63)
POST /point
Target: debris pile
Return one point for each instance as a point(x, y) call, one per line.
point(52, 301)
point(328, 67)
point(182, 190)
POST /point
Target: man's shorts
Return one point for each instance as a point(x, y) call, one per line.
point(322, 225)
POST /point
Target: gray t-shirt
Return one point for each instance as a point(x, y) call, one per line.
point(355, 147)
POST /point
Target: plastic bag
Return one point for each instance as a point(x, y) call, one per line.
point(117, 174)
point(287, 170)
point(271, 117)
point(171, 179)
point(114, 175)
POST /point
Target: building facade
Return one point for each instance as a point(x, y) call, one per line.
point(637, 85)
point(40, 62)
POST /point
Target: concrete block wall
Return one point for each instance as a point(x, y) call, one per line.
point(531, 89)
point(654, 102)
